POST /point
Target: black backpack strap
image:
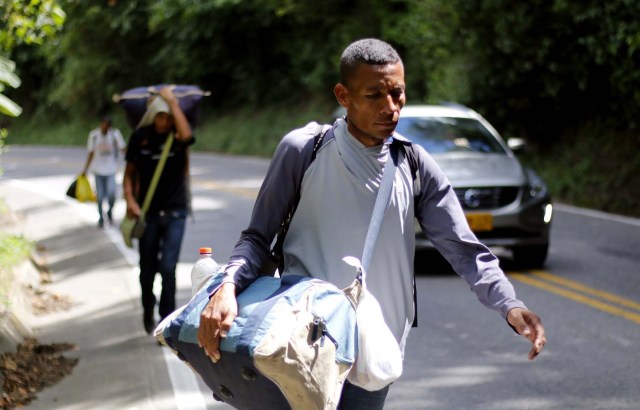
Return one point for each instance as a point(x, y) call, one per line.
point(276, 252)
point(412, 158)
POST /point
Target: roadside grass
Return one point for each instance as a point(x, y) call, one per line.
point(247, 131)
point(591, 165)
point(256, 131)
point(13, 250)
point(39, 131)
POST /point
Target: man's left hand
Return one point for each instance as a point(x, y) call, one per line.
point(529, 325)
point(167, 94)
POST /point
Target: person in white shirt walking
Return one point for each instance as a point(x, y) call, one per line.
point(104, 146)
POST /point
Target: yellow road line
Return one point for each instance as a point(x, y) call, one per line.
point(618, 300)
point(577, 297)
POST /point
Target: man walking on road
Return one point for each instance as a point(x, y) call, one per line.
point(104, 146)
point(160, 244)
point(337, 194)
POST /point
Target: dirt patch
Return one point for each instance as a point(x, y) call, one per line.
point(32, 368)
point(35, 366)
point(43, 302)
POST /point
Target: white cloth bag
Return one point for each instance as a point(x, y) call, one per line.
point(379, 359)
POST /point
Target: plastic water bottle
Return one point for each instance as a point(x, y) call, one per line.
point(202, 270)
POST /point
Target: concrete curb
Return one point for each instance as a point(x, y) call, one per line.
point(15, 322)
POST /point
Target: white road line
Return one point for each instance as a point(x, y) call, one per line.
point(184, 382)
point(597, 214)
point(186, 389)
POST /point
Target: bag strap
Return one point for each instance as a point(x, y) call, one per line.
point(156, 175)
point(276, 251)
point(382, 199)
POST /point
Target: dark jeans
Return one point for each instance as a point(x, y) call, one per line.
point(159, 251)
point(357, 398)
point(105, 189)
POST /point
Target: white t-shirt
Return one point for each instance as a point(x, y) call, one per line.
point(106, 150)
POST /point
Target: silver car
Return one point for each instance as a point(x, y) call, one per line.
point(506, 204)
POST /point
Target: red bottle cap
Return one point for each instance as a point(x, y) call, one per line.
point(205, 250)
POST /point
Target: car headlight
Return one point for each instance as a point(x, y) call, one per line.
point(535, 188)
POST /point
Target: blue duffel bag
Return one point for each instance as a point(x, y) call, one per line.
point(291, 345)
point(134, 101)
point(294, 340)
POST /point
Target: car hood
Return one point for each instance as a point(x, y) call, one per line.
point(477, 169)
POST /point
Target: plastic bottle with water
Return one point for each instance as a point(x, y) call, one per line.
point(203, 270)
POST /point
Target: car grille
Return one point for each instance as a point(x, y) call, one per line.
point(486, 198)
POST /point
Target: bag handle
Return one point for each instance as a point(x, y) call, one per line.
point(156, 175)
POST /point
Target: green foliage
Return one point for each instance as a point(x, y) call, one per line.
point(594, 166)
point(255, 52)
point(246, 52)
point(28, 21)
point(25, 131)
point(246, 131)
point(532, 68)
point(257, 131)
point(103, 49)
point(13, 249)
point(537, 66)
point(7, 77)
point(424, 36)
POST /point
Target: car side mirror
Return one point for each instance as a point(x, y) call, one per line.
point(516, 144)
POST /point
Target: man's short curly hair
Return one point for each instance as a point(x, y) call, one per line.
point(368, 51)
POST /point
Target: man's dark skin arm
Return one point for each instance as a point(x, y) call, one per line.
point(133, 208)
point(216, 320)
point(183, 129)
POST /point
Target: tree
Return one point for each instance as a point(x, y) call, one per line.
point(8, 78)
point(539, 66)
point(29, 22)
point(105, 48)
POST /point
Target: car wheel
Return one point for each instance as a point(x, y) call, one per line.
point(530, 256)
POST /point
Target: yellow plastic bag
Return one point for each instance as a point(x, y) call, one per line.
point(84, 193)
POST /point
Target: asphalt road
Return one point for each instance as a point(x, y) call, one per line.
point(462, 355)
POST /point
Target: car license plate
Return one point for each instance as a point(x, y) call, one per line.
point(479, 222)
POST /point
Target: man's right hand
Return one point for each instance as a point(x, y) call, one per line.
point(216, 320)
point(133, 208)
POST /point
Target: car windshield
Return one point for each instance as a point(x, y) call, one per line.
point(447, 134)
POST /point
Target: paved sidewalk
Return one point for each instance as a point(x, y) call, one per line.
point(119, 366)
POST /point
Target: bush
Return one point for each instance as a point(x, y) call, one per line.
point(594, 167)
point(13, 249)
